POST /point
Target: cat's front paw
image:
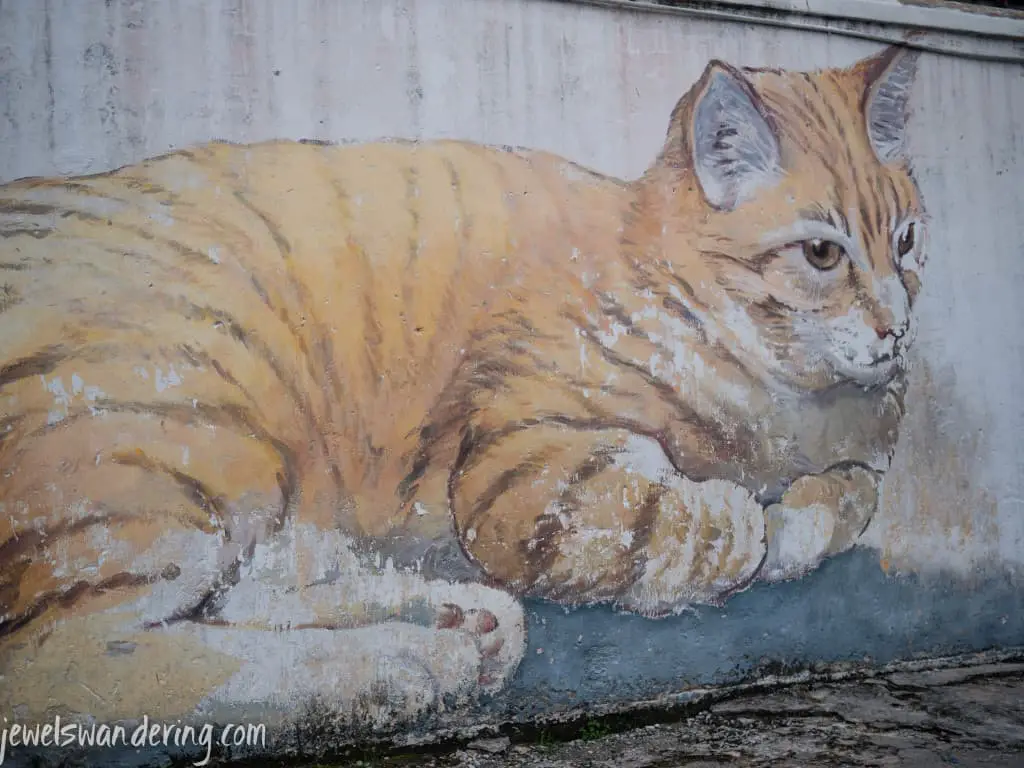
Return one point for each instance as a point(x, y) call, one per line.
point(706, 544)
point(820, 515)
point(797, 540)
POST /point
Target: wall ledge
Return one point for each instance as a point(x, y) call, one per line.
point(931, 16)
point(927, 25)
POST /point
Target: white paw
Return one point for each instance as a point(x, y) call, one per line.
point(493, 620)
point(381, 675)
point(798, 540)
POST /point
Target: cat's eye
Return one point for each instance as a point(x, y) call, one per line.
point(823, 254)
point(906, 240)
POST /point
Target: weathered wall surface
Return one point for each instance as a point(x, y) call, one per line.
point(86, 87)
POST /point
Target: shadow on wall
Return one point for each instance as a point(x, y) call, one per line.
point(934, 512)
point(848, 610)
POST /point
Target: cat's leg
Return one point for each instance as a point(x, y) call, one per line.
point(580, 515)
point(490, 619)
point(818, 516)
point(104, 665)
point(103, 610)
point(379, 676)
point(368, 647)
point(371, 643)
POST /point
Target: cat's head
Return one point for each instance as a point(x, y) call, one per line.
point(794, 192)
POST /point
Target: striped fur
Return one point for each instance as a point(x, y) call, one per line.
point(482, 363)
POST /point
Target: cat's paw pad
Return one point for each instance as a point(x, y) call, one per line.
point(498, 630)
point(482, 625)
point(479, 621)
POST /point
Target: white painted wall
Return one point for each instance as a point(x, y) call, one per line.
point(88, 85)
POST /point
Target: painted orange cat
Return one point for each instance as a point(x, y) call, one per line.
point(296, 420)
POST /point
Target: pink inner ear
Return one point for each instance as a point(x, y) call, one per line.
point(735, 149)
point(886, 107)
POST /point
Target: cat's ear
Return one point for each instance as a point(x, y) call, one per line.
point(888, 78)
point(735, 147)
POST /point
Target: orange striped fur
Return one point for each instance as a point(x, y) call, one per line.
point(483, 364)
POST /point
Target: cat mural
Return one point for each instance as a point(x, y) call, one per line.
point(295, 421)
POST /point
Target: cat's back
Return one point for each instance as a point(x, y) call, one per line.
point(316, 296)
point(299, 223)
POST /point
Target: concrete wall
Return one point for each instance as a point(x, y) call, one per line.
point(89, 86)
